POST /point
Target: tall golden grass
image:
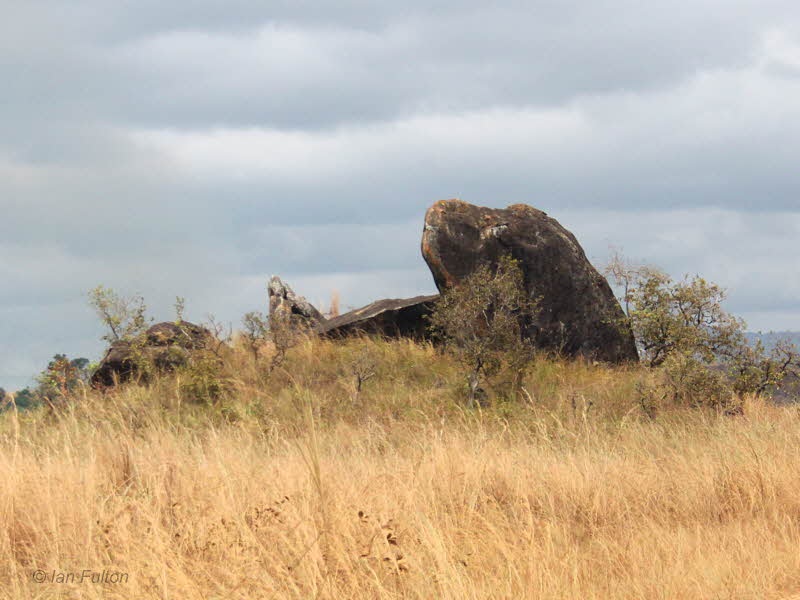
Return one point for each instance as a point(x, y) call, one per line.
point(296, 486)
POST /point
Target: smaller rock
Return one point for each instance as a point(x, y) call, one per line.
point(284, 303)
point(184, 334)
point(117, 362)
point(168, 345)
point(389, 317)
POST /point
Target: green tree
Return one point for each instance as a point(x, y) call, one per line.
point(125, 317)
point(670, 316)
point(683, 326)
point(482, 321)
point(62, 377)
point(757, 370)
point(26, 398)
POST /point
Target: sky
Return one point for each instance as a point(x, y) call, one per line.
point(196, 148)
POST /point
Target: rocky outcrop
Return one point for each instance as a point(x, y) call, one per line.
point(165, 345)
point(389, 317)
point(284, 303)
point(579, 314)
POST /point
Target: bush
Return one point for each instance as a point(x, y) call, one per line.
point(203, 379)
point(482, 321)
point(682, 326)
point(669, 316)
point(755, 370)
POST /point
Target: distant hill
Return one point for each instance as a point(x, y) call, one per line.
point(771, 338)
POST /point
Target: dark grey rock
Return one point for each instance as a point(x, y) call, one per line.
point(168, 345)
point(285, 304)
point(579, 313)
point(388, 317)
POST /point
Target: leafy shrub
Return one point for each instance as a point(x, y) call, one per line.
point(482, 321)
point(682, 326)
point(668, 316)
point(204, 379)
point(756, 370)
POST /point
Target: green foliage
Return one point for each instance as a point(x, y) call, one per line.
point(690, 382)
point(62, 378)
point(203, 378)
point(57, 383)
point(674, 317)
point(125, 317)
point(204, 371)
point(482, 322)
point(684, 381)
point(280, 331)
point(26, 398)
point(126, 321)
point(755, 370)
point(682, 326)
point(684, 317)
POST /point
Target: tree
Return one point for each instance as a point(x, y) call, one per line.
point(26, 398)
point(281, 330)
point(62, 377)
point(757, 370)
point(125, 317)
point(683, 326)
point(256, 331)
point(674, 316)
point(623, 273)
point(483, 320)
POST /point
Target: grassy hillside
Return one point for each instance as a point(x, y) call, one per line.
point(298, 486)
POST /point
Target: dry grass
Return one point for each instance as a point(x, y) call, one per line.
point(296, 487)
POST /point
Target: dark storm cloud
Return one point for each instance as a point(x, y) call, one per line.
point(196, 148)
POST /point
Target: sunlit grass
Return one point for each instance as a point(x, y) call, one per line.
point(297, 486)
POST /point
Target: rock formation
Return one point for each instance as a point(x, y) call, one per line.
point(579, 314)
point(284, 303)
point(389, 317)
point(167, 345)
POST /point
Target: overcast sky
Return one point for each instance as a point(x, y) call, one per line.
point(196, 148)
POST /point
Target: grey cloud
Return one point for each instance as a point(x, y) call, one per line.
point(187, 65)
point(303, 249)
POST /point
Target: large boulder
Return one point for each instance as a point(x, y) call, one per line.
point(579, 314)
point(389, 317)
point(166, 345)
point(285, 304)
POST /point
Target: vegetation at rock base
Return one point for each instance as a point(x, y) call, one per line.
point(482, 323)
